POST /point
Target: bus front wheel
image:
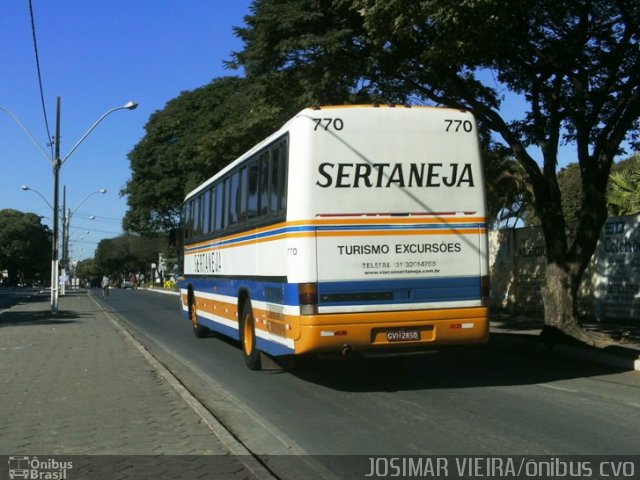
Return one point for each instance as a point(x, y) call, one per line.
point(250, 351)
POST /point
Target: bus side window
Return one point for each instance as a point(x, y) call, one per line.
point(197, 216)
point(278, 178)
point(243, 194)
point(186, 218)
point(213, 208)
point(252, 200)
point(225, 208)
point(219, 204)
point(234, 190)
point(284, 159)
point(264, 185)
point(206, 211)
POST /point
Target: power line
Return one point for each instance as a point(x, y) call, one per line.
point(35, 48)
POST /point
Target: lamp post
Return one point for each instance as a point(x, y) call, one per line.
point(26, 188)
point(71, 264)
point(56, 163)
point(66, 222)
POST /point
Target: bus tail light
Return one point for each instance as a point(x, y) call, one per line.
point(308, 298)
point(485, 285)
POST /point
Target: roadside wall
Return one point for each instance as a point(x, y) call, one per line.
point(610, 287)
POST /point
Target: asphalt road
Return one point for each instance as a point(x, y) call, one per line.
point(463, 401)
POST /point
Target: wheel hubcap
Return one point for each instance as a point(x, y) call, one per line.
point(248, 335)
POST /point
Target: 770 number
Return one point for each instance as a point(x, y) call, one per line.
point(456, 125)
point(327, 123)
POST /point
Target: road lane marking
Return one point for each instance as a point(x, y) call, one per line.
point(555, 387)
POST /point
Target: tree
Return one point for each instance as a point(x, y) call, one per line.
point(305, 52)
point(118, 257)
point(25, 246)
point(570, 185)
point(623, 197)
point(623, 191)
point(87, 270)
point(508, 196)
point(196, 134)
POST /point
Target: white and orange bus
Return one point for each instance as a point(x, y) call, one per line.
point(352, 228)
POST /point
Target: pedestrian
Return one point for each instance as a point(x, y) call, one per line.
point(105, 287)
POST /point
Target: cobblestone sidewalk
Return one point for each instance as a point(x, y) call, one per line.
point(73, 385)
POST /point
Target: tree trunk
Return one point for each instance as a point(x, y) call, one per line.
point(560, 299)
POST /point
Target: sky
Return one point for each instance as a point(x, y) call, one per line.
point(97, 56)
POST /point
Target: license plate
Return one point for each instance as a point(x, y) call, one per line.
point(403, 335)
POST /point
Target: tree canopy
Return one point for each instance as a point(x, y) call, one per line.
point(623, 196)
point(25, 246)
point(188, 141)
point(120, 256)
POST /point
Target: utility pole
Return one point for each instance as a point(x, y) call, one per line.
point(63, 268)
point(56, 207)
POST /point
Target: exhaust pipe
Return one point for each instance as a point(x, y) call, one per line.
point(345, 350)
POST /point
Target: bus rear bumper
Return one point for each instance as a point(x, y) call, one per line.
point(393, 330)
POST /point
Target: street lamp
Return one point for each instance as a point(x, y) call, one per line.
point(66, 223)
point(56, 163)
point(29, 189)
point(26, 130)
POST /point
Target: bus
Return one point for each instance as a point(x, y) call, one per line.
point(350, 229)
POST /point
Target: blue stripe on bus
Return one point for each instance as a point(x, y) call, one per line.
point(345, 293)
point(219, 327)
point(281, 293)
point(273, 348)
point(384, 292)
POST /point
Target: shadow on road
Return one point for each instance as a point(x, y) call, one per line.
point(459, 367)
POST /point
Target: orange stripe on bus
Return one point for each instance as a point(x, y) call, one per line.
point(414, 220)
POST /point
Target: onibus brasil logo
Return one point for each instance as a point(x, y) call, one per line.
point(34, 469)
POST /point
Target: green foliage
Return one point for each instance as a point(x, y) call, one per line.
point(623, 192)
point(197, 134)
point(25, 246)
point(508, 197)
point(87, 270)
point(570, 184)
point(623, 196)
point(117, 257)
point(305, 52)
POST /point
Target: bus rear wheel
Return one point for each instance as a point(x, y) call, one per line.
point(250, 351)
point(198, 330)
